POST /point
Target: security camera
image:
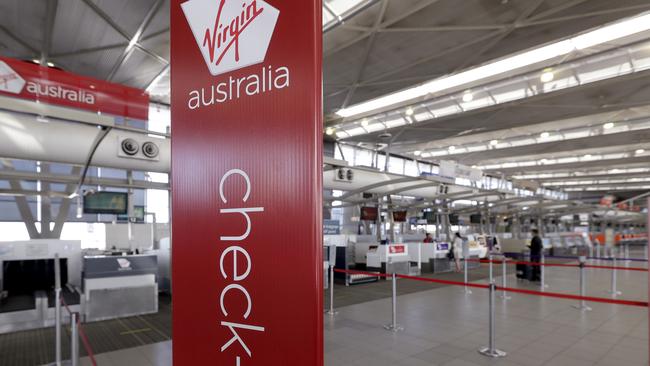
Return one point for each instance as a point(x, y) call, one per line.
point(130, 146)
point(150, 150)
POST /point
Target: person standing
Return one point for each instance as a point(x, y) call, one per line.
point(427, 238)
point(536, 248)
point(459, 251)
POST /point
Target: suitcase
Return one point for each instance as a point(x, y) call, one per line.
point(524, 272)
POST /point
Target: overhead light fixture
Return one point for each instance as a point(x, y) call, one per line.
point(588, 156)
point(608, 125)
point(409, 111)
point(544, 135)
point(494, 143)
point(640, 151)
point(329, 131)
point(604, 34)
point(547, 76)
point(50, 64)
point(468, 97)
point(36, 61)
point(417, 152)
point(452, 148)
point(364, 123)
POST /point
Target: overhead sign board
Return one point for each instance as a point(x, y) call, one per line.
point(26, 80)
point(452, 170)
point(247, 176)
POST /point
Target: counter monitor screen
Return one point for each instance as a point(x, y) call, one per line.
point(138, 215)
point(106, 203)
point(399, 216)
point(369, 213)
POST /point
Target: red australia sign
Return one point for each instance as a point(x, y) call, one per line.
point(30, 81)
point(247, 178)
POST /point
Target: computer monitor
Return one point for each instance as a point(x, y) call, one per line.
point(105, 202)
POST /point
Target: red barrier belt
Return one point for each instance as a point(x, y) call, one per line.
point(499, 288)
point(574, 297)
point(560, 265)
point(445, 282)
point(84, 338)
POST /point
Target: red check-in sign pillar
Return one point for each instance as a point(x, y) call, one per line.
point(247, 182)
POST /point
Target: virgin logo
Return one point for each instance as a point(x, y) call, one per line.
point(231, 34)
point(10, 81)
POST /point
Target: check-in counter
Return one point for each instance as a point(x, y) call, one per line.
point(393, 258)
point(430, 257)
point(119, 286)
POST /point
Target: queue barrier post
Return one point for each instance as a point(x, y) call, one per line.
point(57, 309)
point(542, 270)
point(394, 327)
point(583, 286)
point(466, 276)
point(491, 350)
point(331, 310)
point(504, 279)
point(598, 250)
point(614, 291)
point(645, 251)
point(74, 339)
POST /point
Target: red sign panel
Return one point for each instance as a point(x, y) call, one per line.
point(247, 177)
point(369, 213)
point(397, 249)
point(30, 81)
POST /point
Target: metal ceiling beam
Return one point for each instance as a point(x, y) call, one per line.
point(7, 174)
point(366, 55)
point(376, 185)
point(536, 22)
point(386, 24)
point(616, 163)
point(445, 28)
point(593, 176)
point(48, 30)
point(19, 40)
point(110, 46)
point(135, 39)
point(556, 9)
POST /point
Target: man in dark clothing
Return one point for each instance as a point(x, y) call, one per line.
point(428, 238)
point(536, 248)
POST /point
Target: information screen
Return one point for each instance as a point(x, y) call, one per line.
point(106, 203)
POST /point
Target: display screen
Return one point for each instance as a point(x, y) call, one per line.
point(369, 213)
point(475, 219)
point(399, 216)
point(453, 219)
point(106, 203)
point(138, 214)
point(430, 216)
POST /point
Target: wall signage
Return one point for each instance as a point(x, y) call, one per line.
point(247, 177)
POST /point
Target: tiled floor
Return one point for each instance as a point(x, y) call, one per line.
point(444, 326)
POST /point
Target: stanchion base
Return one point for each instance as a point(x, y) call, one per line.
point(581, 307)
point(615, 293)
point(468, 291)
point(331, 313)
point(393, 328)
point(505, 297)
point(494, 353)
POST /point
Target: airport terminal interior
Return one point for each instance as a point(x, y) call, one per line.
point(484, 168)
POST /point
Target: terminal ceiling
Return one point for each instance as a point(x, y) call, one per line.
point(375, 47)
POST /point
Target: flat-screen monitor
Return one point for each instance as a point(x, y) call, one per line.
point(24, 277)
point(453, 219)
point(475, 219)
point(369, 213)
point(138, 214)
point(399, 216)
point(430, 216)
point(105, 202)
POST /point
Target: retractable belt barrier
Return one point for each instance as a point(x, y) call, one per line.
point(509, 289)
point(491, 350)
point(78, 332)
point(592, 258)
point(562, 265)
